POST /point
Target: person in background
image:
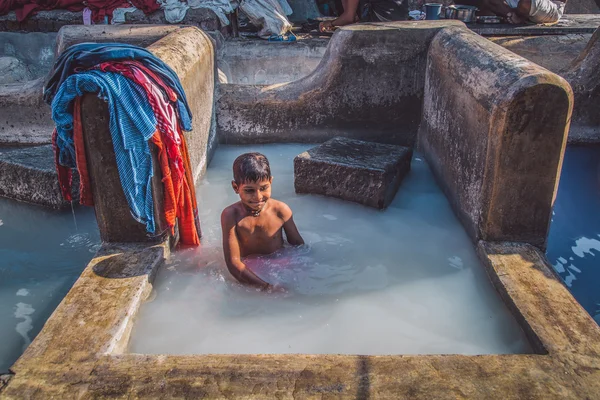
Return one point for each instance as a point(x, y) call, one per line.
point(368, 11)
point(520, 11)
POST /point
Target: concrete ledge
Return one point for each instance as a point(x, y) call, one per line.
point(493, 129)
point(99, 310)
point(369, 86)
point(28, 174)
point(100, 306)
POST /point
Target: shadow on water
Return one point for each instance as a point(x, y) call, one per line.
point(362, 375)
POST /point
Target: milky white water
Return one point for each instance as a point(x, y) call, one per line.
point(401, 281)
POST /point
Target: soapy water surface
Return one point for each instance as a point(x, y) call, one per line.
point(401, 281)
point(42, 253)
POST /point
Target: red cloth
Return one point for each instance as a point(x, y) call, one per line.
point(177, 179)
point(100, 8)
point(85, 188)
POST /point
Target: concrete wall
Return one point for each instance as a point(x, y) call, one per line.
point(584, 77)
point(494, 129)
point(369, 85)
point(258, 62)
point(554, 52)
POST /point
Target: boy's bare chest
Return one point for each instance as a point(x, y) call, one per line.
point(257, 226)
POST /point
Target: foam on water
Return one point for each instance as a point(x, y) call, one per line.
point(41, 256)
point(402, 281)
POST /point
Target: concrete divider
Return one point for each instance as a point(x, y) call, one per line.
point(494, 128)
point(369, 85)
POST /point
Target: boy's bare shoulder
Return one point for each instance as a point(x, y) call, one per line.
point(230, 214)
point(282, 210)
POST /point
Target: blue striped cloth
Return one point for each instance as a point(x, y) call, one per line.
point(83, 56)
point(132, 124)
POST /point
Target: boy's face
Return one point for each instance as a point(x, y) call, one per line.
point(254, 195)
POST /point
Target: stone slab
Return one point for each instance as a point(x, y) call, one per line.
point(363, 172)
point(28, 174)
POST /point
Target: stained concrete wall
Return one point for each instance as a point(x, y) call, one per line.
point(369, 85)
point(554, 52)
point(584, 77)
point(494, 129)
point(252, 62)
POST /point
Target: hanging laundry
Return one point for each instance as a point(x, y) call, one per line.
point(100, 8)
point(132, 123)
point(87, 55)
point(142, 107)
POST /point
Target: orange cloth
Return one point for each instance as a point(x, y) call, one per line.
point(179, 202)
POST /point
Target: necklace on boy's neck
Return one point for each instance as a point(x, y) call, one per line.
point(254, 213)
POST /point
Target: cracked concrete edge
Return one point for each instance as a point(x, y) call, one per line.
point(570, 369)
point(99, 309)
point(548, 313)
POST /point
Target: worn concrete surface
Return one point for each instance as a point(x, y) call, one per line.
point(582, 7)
point(368, 86)
point(584, 77)
point(88, 363)
point(569, 24)
point(363, 172)
point(35, 51)
point(258, 62)
point(28, 174)
point(553, 52)
point(24, 117)
point(491, 161)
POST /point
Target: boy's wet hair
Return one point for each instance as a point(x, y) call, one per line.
point(251, 167)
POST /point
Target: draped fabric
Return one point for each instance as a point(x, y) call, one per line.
point(146, 103)
point(100, 8)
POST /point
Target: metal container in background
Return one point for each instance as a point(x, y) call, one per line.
point(462, 13)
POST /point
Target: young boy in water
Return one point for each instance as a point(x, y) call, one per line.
point(254, 224)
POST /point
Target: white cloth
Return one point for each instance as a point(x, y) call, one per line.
point(270, 15)
point(118, 16)
point(542, 11)
point(546, 11)
point(175, 10)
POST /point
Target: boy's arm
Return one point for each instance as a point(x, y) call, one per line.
point(289, 226)
point(231, 251)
